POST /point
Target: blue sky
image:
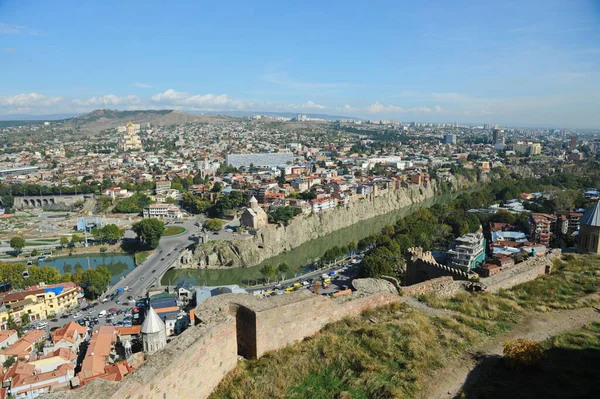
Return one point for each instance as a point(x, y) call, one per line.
point(511, 62)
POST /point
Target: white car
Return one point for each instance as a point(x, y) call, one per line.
point(43, 324)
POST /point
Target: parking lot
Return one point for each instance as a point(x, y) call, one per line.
point(324, 282)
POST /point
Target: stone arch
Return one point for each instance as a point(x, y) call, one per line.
point(45, 201)
point(38, 202)
point(25, 202)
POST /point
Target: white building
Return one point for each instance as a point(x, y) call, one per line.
point(168, 211)
point(323, 204)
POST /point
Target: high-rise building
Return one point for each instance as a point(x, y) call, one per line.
point(573, 143)
point(131, 140)
point(498, 139)
point(450, 139)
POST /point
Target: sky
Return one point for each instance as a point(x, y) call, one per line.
point(513, 62)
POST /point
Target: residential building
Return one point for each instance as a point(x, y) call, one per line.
point(69, 336)
point(168, 211)
point(540, 227)
point(116, 192)
point(467, 252)
point(323, 204)
point(527, 148)
point(100, 351)
point(24, 381)
point(24, 346)
point(43, 301)
point(162, 185)
point(8, 337)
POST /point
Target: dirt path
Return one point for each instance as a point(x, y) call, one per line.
point(536, 326)
point(422, 306)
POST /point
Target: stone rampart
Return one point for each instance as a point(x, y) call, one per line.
point(228, 325)
point(421, 266)
point(444, 287)
point(522, 272)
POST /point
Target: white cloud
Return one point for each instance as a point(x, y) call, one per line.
point(28, 100)
point(312, 105)
point(379, 108)
point(107, 100)
point(142, 85)
point(200, 101)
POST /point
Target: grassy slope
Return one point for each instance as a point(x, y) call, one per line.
point(390, 351)
point(569, 369)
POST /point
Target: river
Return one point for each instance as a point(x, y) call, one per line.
point(305, 254)
point(119, 265)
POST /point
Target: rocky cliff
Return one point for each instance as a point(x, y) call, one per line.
point(273, 240)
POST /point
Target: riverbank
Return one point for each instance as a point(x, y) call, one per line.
point(274, 240)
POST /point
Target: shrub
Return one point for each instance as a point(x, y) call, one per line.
point(103, 249)
point(522, 353)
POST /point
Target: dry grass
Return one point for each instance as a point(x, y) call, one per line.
point(385, 353)
point(391, 351)
point(574, 283)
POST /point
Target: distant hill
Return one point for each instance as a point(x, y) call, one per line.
point(102, 119)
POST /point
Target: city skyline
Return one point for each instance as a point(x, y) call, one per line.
point(532, 65)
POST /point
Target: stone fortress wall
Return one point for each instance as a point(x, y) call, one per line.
point(233, 325)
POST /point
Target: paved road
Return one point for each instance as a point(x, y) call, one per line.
point(146, 274)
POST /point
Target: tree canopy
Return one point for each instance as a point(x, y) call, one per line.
point(149, 231)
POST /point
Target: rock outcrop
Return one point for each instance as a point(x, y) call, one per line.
point(272, 240)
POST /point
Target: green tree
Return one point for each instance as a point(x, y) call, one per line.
point(217, 187)
point(213, 224)
point(24, 319)
point(268, 271)
point(177, 186)
point(283, 268)
point(149, 231)
point(113, 233)
point(76, 239)
point(64, 240)
point(35, 252)
point(95, 281)
point(12, 325)
point(103, 202)
point(17, 243)
point(352, 246)
point(134, 204)
point(283, 214)
point(194, 204)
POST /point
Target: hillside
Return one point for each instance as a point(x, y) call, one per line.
point(102, 119)
point(399, 351)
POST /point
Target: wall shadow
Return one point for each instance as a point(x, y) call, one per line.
point(563, 373)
